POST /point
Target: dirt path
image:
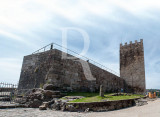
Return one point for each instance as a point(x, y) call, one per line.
point(150, 110)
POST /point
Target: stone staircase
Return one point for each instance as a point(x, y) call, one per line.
point(5, 96)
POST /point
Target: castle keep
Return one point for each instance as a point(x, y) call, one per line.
point(132, 68)
point(72, 74)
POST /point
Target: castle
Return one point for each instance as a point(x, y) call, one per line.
point(81, 75)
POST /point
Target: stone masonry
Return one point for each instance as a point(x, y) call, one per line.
point(79, 75)
point(132, 68)
point(65, 74)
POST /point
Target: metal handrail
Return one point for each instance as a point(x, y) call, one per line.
point(7, 85)
point(90, 60)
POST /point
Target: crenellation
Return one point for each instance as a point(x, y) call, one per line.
point(131, 45)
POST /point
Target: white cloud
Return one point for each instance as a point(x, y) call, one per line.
point(19, 20)
point(10, 70)
point(152, 80)
point(23, 14)
point(13, 36)
point(75, 11)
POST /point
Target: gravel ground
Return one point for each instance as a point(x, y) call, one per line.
point(150, 110)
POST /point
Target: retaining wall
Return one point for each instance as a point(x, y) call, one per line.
point(100, 106)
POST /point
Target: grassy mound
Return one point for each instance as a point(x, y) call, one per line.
point(94, 97)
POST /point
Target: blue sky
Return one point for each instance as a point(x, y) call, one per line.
point(27, 25)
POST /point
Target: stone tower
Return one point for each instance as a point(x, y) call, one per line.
point(132, 68)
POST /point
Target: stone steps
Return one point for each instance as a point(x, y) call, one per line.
point(5, 99)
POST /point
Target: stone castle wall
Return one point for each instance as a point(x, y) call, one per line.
point(132, 68)
point(65, 74)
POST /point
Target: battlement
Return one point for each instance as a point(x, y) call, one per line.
point(131, 44)
point(136, 46)
point(129, 52)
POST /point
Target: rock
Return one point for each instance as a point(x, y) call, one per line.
point(63, 105)
point(37, 90)
point(141, 102)
point(36, 95)
point(56, 105)
point(35, 104)
point(51, 102)
point(71, 108)
point(48, 87)
point(20, 100)
point(49, 93)
point(87, 110)
point(42, 108)
point(56, 96)
point(45, 104)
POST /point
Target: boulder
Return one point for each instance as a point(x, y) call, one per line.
point(36, 95)
point(59, 105)
point(45, 104)
point(42, 108)
point(22, 100)
point(49, 93)
point(48, 87)
point(56, 105)
point(51, 102)
point(71, 108)
point(35, 103)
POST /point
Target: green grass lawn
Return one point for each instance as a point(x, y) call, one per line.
point(85, 94)
point(94, 97)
